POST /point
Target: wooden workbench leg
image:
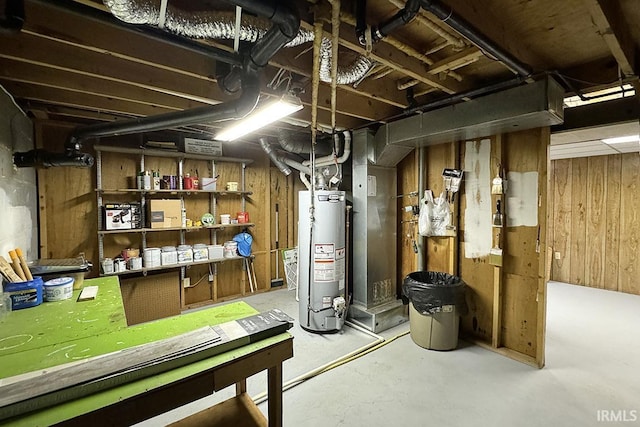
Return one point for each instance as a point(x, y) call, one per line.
point(275, 395)
point(241, 387)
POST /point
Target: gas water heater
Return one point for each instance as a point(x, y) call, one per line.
point(321, 260)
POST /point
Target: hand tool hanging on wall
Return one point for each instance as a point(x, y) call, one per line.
point(496, 184)
point(497, 217)
point(452, 179)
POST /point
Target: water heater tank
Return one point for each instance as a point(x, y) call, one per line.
point(321, 261)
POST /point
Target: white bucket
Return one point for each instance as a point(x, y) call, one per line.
point(151, 257)
point(230, 249)
point(185, 254)
point(200, 252)
point(169, 255)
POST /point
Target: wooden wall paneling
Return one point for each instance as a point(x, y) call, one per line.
point(551, 214)
point(612, 230)
point(497, 164)
point(43, 238)
point(258, 180)
point(408, 226)
point(520, 313)
point(454, 247)
point(438, 252)
point(596, 219)
point(630, 225)
point(478, 274)
point(562, 219)
point(68, 203)
point(279, 190)
point(578, 220)
point(542, 244)
point(200, 290)
point(524, 286)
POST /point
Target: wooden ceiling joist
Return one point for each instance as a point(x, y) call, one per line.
point(610, 21)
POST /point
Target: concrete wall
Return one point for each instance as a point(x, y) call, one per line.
point(18, 191)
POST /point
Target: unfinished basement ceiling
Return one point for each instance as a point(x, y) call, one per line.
point(67, 64)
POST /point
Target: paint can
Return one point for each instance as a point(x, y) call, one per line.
point(25, 294)
point(58, 289)
point(119, 265)
point(230, 249)
point(243, 217)
point(151, 257)
point(200, 252)
point(169, 255)
point(135, 263)
point(107, 265)
point(185, 254)
point(225, 219)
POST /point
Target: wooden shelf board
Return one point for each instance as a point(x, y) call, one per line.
point(187, 229)
point(120, 191)
point(238, 411)
point(172, 266)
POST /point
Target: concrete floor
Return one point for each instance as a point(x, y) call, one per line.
point(591, 375)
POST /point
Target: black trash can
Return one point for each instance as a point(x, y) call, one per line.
point(436, 301)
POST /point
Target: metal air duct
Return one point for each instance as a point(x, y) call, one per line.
point(524, 107)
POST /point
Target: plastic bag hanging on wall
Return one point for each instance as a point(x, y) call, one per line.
point(435, 216)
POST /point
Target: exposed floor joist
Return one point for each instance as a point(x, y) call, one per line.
point(610, 21)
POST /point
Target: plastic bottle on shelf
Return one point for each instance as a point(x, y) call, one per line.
point(183, 213)
point(146, 183)
point(156, 180)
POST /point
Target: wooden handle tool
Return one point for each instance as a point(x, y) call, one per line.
point(15, 263)
point(23, 263)
point(7, 271)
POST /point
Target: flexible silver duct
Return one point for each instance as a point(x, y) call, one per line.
point(346, 75)
point(221, 25)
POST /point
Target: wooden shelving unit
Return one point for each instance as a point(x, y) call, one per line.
point(111, 192)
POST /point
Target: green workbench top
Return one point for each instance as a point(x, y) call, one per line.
point(60, 332)
point(56, 323)
point(55, 333)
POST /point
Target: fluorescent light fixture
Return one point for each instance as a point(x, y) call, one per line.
point(260, 117)
point(622, 139)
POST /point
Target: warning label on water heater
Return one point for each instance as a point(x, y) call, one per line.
point(329, 263)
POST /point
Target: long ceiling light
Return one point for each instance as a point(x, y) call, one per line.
point(622, 139)
point(261, 117)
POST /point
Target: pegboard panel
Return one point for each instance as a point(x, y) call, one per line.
point(150, 297)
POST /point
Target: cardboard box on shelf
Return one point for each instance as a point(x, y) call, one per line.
point(165, 213)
